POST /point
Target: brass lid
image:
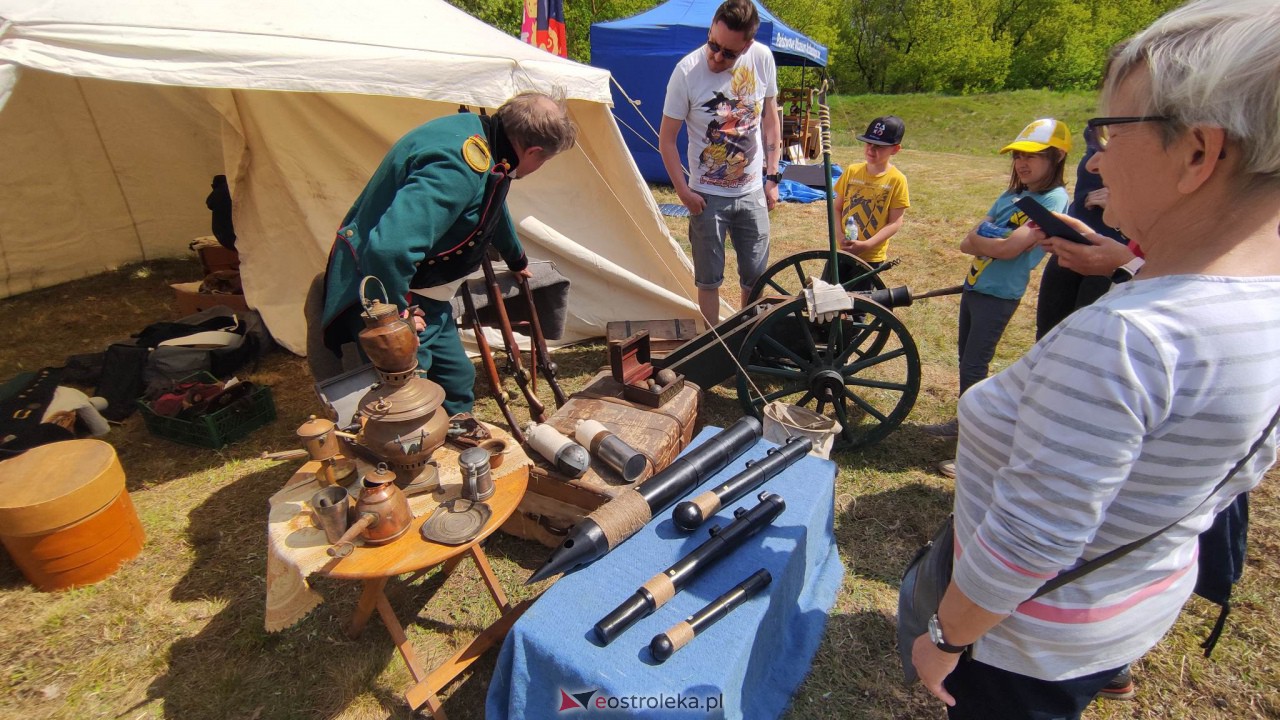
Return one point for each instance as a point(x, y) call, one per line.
point(416, 398)
point(315, 427)
point(380, 476)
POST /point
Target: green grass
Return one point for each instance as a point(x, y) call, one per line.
point(971, 125)
point(178, 633)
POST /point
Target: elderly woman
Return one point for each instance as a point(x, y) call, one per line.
point(1125, 417)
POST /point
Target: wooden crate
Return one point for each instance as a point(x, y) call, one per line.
point(554, 503)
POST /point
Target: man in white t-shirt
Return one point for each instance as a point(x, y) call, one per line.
point(725, 92)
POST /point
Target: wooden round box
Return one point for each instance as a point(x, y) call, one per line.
point(65, 516)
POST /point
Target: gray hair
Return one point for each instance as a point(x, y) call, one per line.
point(1217, 63)
point(536, 119)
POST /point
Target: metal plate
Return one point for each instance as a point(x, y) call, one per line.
point(456, 522)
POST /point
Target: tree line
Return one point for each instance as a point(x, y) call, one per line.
point(901, 46)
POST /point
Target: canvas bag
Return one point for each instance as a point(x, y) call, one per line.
point(929, 572)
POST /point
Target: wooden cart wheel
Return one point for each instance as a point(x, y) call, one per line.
point(862, 370)
point(791, 274)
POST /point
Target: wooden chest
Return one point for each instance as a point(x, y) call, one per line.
point(664, 335)
point(65, 516)
point(554, 503)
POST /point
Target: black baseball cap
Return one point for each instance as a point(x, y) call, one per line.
point(884, 130)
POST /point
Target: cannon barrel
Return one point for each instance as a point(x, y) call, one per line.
point(902, 296)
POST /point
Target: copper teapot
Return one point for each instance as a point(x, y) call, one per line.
point(383, 512)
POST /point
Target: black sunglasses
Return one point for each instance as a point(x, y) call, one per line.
point(1096, 135)
point(716, 47)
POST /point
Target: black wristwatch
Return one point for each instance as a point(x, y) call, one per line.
point(1127, 271)
point(935, 634)
point(776, 178)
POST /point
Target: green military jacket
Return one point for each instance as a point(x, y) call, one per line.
point(417, 223)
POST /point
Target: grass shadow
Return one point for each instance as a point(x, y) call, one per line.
point(233, 667)
point(879, 533)
point(871, 688)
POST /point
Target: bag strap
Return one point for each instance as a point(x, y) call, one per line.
point(1115, 554)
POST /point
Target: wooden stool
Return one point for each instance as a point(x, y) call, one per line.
point(65, 516)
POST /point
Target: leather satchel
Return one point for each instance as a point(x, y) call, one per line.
point(920, 594)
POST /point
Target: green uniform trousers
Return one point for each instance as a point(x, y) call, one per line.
point(440, 353)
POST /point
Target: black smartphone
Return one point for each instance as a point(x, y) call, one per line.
point(1048, 222)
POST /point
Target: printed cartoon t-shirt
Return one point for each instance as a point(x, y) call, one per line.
point(869, 198)
point(1008, 278)
point(721, 112)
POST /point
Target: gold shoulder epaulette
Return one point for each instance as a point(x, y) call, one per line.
point(476, 152)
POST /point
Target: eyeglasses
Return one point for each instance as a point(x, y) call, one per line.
point(717, 48)
point(1096, 135)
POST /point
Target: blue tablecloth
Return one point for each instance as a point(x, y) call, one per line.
point(750, 662)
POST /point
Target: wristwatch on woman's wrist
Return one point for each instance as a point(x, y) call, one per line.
point(1127, 271)
point(935, 634)
point(775, 177)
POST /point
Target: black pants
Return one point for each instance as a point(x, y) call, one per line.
point(983, 692)
point(1064, 291)
point(983, 319)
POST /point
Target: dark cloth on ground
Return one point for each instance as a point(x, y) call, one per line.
point(22, 412)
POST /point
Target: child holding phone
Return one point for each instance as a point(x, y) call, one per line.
point(1005, 252)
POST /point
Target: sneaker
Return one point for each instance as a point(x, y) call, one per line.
point(1119, 687)
point(947, 430)
point(948, 468)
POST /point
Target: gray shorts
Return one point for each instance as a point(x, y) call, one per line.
point(745, 220)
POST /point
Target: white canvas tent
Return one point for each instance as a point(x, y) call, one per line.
point(115, 116)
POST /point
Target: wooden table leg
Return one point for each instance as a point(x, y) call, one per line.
point(490, 579)
point(426, 685)
point(424, 692)
point(365, 607)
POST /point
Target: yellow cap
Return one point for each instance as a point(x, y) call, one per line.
point(1041, 134)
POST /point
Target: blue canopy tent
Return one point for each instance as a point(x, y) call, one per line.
point(642, 50)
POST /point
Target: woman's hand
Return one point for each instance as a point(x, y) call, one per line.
point(1097, 198)
point(933, 666)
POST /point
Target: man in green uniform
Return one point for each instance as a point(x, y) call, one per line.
point(426, 218)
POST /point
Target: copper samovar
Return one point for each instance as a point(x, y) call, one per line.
point(404, 421)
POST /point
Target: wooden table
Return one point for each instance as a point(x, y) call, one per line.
point(374, 566)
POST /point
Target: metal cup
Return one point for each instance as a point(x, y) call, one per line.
point(477, 480)
point(329, 509)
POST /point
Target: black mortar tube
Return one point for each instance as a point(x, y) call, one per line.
point(665, 644)
point(587, 542)
point(722, 542)
point(689, 514)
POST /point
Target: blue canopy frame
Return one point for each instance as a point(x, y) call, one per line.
point(642, 50)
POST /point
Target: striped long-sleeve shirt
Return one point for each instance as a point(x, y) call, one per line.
point(1116, 424)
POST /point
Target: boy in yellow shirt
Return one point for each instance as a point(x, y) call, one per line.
point(874, 193)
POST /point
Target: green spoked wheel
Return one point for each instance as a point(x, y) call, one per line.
point(862, 369)
point(791, 274)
